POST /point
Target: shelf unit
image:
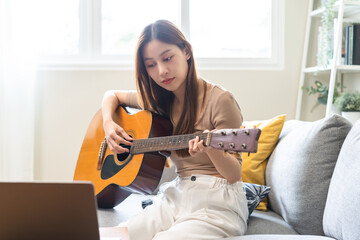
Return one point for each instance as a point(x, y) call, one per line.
point(347, 11)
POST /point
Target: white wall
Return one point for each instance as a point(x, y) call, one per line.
point(67, 100)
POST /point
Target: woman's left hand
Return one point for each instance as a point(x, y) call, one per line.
point(227, 165)
point(195, 145)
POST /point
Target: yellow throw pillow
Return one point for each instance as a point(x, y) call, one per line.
point(254, 165)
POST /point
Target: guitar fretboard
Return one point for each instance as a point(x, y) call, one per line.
point(169, 143)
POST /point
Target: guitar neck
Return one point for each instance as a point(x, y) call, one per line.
point(169, 143)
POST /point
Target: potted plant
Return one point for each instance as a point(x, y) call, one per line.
point(349, 105)
point(322, 92)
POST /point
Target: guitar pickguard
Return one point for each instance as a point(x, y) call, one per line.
point(111, 167)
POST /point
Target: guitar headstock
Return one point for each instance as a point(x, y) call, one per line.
point(236, 140)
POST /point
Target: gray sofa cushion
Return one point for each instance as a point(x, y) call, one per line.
point(342, 211)
point(279, 237)
point(261, 222)
point(300, 168)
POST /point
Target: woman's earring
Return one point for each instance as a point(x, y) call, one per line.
point(188, 57)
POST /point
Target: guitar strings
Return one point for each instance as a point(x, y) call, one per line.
point(164, 143)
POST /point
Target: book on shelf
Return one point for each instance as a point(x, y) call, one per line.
point(352, 44)
point(343, 45)
point(356, 45)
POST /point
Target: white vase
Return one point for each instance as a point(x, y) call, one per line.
point(351, 116)
point(334, 109)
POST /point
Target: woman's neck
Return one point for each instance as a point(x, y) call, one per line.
point(179, 94)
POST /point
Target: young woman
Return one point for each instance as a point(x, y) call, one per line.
point(206, 201)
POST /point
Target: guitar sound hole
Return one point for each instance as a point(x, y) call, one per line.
point(123, 156)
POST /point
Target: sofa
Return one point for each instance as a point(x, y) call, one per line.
point(314, 176)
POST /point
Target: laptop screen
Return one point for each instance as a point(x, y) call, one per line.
point(47, 210)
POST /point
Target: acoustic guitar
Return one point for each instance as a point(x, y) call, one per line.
point(116, 176)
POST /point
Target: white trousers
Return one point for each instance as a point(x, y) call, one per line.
point(195, 207)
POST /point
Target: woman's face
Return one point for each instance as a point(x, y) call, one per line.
point(166, 64)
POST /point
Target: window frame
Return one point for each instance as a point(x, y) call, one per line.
point(90, 57)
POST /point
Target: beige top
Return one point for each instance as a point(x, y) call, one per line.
point(221, 111)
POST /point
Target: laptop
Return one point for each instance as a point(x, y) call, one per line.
point(48, 210)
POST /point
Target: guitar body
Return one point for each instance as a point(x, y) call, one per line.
point(116, 177)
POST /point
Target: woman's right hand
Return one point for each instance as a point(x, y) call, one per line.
point(115, 135)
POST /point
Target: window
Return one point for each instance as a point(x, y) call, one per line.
point(240, 29)
point(121, 26)
point(58, 27)
point(103, 33)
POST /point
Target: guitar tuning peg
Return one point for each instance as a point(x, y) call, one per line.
point(221, 144)
point(232, 145)
point(234, 132)
point(223, 133)
point(247, 132)
point(243, 146)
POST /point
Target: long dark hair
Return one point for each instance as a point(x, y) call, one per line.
point(157, 99)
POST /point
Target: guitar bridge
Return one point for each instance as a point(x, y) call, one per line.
point(101, 155)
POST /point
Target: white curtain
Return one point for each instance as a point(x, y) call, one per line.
point(17, 79)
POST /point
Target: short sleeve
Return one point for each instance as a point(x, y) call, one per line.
point(226, 112)
point(132, 100)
